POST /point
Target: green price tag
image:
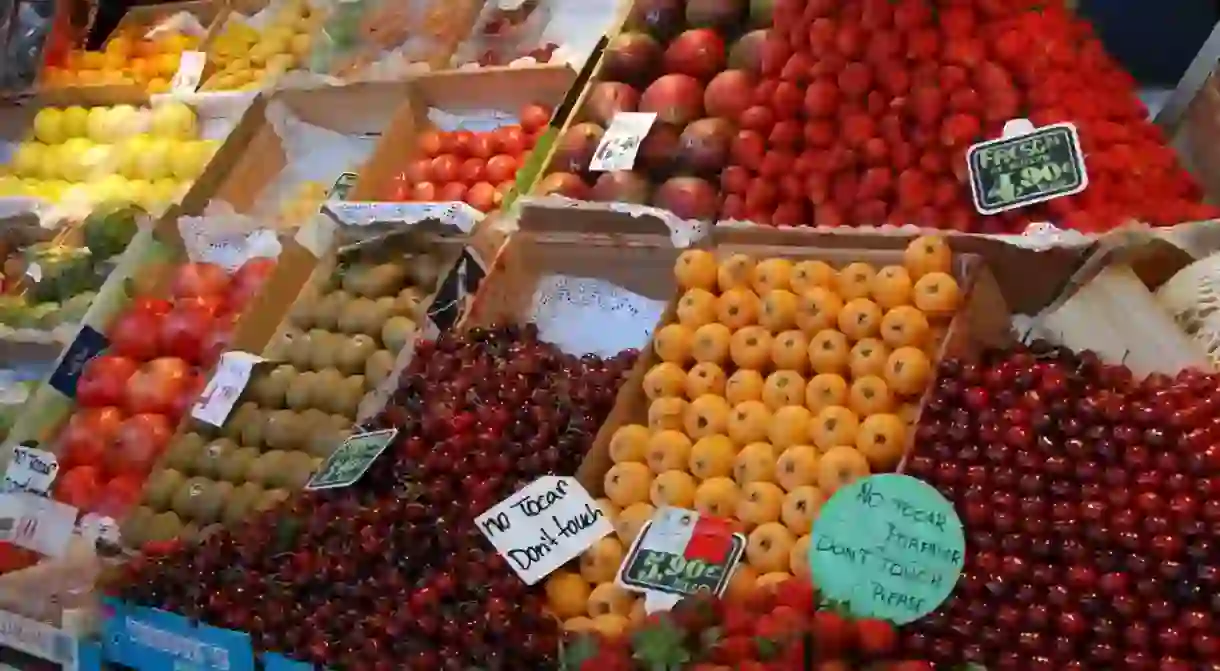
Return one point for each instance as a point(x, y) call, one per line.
point(349, 462)
point(1021, 170)
point(342, 186)
point(672, 573)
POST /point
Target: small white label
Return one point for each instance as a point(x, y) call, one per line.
point(190, 71)
point(30, 470)
point(36, 523)
point(222, 391)
point(621, 141)
point(544, 526)
point(671, 530)
point(37, 639)
point(94, 527)
point(34, 272)
point(657, 602)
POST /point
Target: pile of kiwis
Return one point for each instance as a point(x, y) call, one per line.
point(342, 343)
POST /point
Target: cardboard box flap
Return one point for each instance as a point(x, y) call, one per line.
point(607, 224)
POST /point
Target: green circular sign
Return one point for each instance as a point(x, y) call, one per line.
point(889, 546)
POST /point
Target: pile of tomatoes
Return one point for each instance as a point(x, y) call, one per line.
point(131, 397)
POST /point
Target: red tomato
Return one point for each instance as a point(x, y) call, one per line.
point(213, 305)
point(445, 168)
point(461, 143)
point(430, 143)
point(482, 145)
point(137, 445)
point(399, 193)
point(501, 168)
point(155, 386)
point(184, 330)
point(534, 117)
point(13, 558)
point(103, 379)
point(424, 192)
point(134, 335)
point(472, 171)
point(200, 279)
point(83, 441)
point(118, 496)
point(510, 140)
point(419, 170)
point(483, 197)
point(248, 282)
point(155, 306)
point(452, 192)
point(78, 487)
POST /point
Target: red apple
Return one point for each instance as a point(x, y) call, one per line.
point(688, 198)
point(564, 184)
point(622, 186)
point(200, 279)
point(103, 380)
point(728, 94)
point(83, 441)
point(699, 52)
point(134, 335)
point(746, 52)
point(184, 330)
point(461, 143)
point(659, 150)
point(607, 99)
point(631, 57)
point(675, 98)
point(575, 149)
point(137, 444)
point(660, 18)
point(248, 282)
point(430, 143)
point(154, 386)
point(79, 486)
point(703, 146)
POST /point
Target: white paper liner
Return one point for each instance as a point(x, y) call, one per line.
point(228, 241)
point(583, 315)
point(682, 232)
point(360, 213)
point(179, 22)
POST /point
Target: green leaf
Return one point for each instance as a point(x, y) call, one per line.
point(583, 648)
point(660, 647)
point(767, 648)
point(708, 638)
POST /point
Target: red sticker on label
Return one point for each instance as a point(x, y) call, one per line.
point(710, 540)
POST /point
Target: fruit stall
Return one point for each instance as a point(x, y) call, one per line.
point(791, 335)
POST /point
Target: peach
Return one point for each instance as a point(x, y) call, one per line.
point(711, 457)
point(696, 308)
point(705, 378)
point(744, 385)
point(882, 440)
point(627, 483)
point(754, 463)
point(609, 599)
point(853, 280)
point(760, 503)
point(667, 450)
point(567, 594)
point(829, 352)
point(860, 318)
point(807, 275)
point(705, 416)
point(937, 294)
point(664, 379)
point(711, 343)
point(579, 624)
point(750, 347)
point(796, 467)
point(768, 546)
point(717, 497)
point(748, 422)
point(631, 519)
point(798, 557)
point(778, 311)
point(638, 614)
point(801, 507)
point(869, 395)
point(834, 425)
point(789, 426)
point(909, 414)
point(735, 272)
point(839, 466)
point(696, 269)
point(927, 254)
point(611, 626)
point(736, 308)
point(773, 582)
point(818, 309)
point(790, 351)
point(905, 326)
point(891, 287)
point(782, 388)
point(908, 371)
point(673, 343)
point(629, 443)
point(771, 275)
point(825, 390)
point(600, 562)
point(673, 488)
point(867, 357)
point(666, 413)
point(742, 584)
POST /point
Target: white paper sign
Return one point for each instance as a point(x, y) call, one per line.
point(36, 523)
point(222, 391)
point(94, 527)
point(544, 526)
point(190, 71)
point(621, 141)
point(38, 639)
point(34, 272)
point(30, 470)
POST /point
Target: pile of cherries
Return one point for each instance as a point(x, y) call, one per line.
point(1091, 503)
point(392, 572)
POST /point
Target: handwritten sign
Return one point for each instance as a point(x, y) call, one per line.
point(36, 523)
point(348, 463)
point(544, 526)
point(1026, 166)
point(680, 552)
point(621, 141)
point(89, 342)
point(226, 386)
point(890, 546)
point(30, 470)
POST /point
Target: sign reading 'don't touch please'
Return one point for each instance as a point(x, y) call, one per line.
point(889, 546)
point(544, 526)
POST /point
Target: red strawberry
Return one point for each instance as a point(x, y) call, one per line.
point(831, 632)
point(876, 638)
point(733, 650)
point(799, 594)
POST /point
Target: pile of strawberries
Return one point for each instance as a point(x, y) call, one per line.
point(865, 110)
point(780, 629)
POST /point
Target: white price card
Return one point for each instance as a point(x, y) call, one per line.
point(544, 526)
point(38, 639)
point(222, 391)
point(190, 71)
point(36, 523)
point(621, 141)
point(30, 470)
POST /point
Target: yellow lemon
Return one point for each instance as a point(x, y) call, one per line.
point(125, 121)
point(10, 186)
point(153, 162)
point(173, 120)
point(48, 167)
point(92, 60)
point(97, 126)
point(188, 159)
point(49, 125)
point(76, 121)
point(27, 160)
point(158, 85)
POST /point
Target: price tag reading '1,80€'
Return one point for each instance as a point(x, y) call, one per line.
point(889, 546)
point(681, 552)
point(1028, 165)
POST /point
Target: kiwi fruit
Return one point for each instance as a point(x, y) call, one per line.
point(184, 451)
point(299, 469)
point(256, 427)
point(271, 498)
point(345, 397)
point(358, 316)
point(283, 430)
point(238, 420)
point(378, 367)
point(326, 315)
point(299, 351)
point(325, 440)
point(313, 419)
point(341, 423)
point(240, 503)
point(303, 313)
point(207, 507)
point(376, 281)
point(133, 531)
point(424, 271)
point(353, 352)
point(163, 527)
point(300, 393)
point(408, 303)
point(266, 467)
point(386, 307)
point(189, 532)
point(208, 463)
point(324, 346)
point(397, 333)
point(269, 388)
point(184, 499)
point(233, 466)
point(160, 488)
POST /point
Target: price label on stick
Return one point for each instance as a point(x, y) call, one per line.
point(680, 552)
point(348, 463)
point(544, 526)
point(621, 141)
point(1028, 165)
point(226, 386)
point(30, 470)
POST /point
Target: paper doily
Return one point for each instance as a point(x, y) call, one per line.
point(355, 213)
point(583, 315)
